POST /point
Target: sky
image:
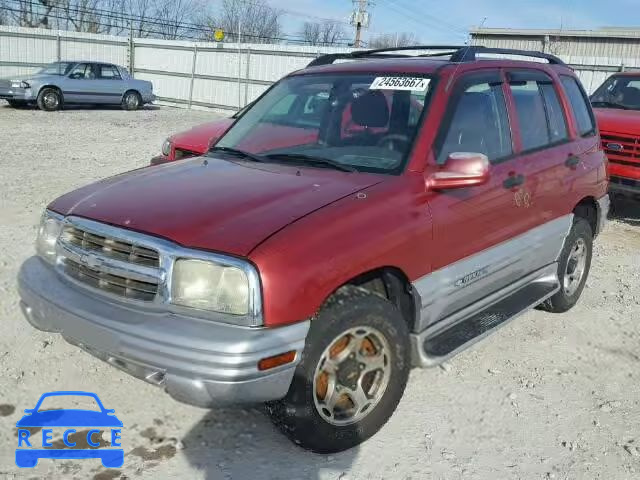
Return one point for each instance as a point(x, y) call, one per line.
point(449, 21)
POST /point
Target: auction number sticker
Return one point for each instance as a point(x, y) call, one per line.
point(414, 84)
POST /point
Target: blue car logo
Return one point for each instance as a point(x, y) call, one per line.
point(28, 453)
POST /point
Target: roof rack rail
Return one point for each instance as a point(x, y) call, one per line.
point(459, 54)
point(468, 54)
point(330, 58)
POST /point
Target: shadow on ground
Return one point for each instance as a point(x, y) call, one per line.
point(626, 210)
point(80, 107)
point(243, 443)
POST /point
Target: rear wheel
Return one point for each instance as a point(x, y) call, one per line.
point(49, 99)
point(353, 372)
point(131, 101)
point(573, 267)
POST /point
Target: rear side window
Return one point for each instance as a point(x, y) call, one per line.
point(579, 104)
point(555, 113)
point(109, 72)
point(479, 124)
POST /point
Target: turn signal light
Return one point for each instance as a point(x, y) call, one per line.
point(276, 361)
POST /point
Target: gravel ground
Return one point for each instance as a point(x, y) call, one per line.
point(546, 397)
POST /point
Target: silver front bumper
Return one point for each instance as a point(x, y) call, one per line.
point(196, 361)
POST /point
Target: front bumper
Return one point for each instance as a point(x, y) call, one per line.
point(21, 94)
point(604, 205)
point(196, 361)
point(625, 186)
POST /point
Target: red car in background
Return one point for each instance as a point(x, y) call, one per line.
point(617, 109)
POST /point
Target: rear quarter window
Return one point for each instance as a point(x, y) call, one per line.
point(579, 104)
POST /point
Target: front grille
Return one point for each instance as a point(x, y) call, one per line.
point(115, 284)
point(110, 247)
point(621, 148)
point(109, 264)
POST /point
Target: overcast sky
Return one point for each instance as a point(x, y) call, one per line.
point(447, 21)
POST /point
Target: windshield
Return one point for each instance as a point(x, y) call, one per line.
point(57, 68)
point(618, 92)
point(363, 122)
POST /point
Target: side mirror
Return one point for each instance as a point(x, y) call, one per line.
point(462, 169)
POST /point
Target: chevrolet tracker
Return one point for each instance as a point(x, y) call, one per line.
point(361, 218)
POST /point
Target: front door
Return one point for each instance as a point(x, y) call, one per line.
point(80, 85)
point(475, 229)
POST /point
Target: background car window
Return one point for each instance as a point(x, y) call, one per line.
point(581, 109)
point(479, 124)
point(108, 72)
point(83, 71)
point(555, 113)
point(532, 117)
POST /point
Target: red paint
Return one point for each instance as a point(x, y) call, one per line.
point(196, 140)
point(624, 126)
point(310, 230)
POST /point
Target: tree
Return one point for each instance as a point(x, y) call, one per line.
point(251, 21)
point(326, 33)
point(392, 40)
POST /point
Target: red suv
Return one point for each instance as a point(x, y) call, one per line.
point(617, 103)
point(311, 272)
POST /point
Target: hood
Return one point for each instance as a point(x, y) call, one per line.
point(200, 137)
point(212, 204)
point(615, 120)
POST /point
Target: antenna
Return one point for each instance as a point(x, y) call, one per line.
point(464, 55)
point(360, 18)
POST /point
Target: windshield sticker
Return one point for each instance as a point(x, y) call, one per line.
point(414, 84)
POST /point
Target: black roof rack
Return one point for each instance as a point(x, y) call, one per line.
point(459, 54)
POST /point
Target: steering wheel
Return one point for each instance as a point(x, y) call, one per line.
point(389, 141)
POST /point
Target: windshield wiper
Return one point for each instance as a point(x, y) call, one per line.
point(611, 104)
point(311, 160)
point(238, 153)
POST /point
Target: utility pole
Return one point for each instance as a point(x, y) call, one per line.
point(360, 19)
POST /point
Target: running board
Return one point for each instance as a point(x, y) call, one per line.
point(438, 344)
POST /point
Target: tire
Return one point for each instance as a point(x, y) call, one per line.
point(370, 322)
point(131, 100)
point(50, 100)
point(569, 293)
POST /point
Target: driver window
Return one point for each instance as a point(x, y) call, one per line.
point(479, 124)
point(82, 71)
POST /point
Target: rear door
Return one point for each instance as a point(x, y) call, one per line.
point(544, 144)
point(110, 85)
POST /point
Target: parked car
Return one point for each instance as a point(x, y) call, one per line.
point(313, 276)
point(62, 83)
point(617, 109)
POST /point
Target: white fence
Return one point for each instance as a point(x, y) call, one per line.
point(215, 75)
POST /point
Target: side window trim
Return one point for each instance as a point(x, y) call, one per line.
point(492, 77)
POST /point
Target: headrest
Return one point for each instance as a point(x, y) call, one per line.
point(371, 110)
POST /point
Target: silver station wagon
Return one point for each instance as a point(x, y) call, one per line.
point(82, 82)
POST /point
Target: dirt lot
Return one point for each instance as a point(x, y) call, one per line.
point(546, 397)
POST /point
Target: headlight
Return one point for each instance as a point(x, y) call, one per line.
point(166, 147)
point(210, 286)
point(19, 84)
point(48, 233)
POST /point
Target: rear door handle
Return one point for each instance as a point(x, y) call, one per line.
point(573, 161)
point(513, 181)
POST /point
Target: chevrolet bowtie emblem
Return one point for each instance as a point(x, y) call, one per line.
point(91, 261)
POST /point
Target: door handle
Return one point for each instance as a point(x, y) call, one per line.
point(573, 161)
point(513, 181)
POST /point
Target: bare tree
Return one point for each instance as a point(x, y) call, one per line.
point(326, 33)
point(175, 16)
point(34, 13)
point(3, 13)
point(391, 40)
point(247, 21)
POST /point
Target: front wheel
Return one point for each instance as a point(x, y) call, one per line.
point(49, 100)
point(353, 372)
point(573, 267)
point(131, 101)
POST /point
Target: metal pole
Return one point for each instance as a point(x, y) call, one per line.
point(58, 47)
point(132, 53)
point(240, 59)
point(246, 78)
point(193, 73)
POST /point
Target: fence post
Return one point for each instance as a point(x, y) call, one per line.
point(246, 78)
point(58, 47)
point(132, 53)
point(193, 73)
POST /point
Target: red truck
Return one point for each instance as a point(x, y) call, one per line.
point(617, 109)
point(310, 266)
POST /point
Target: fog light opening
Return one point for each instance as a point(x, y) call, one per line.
point(277, 360)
